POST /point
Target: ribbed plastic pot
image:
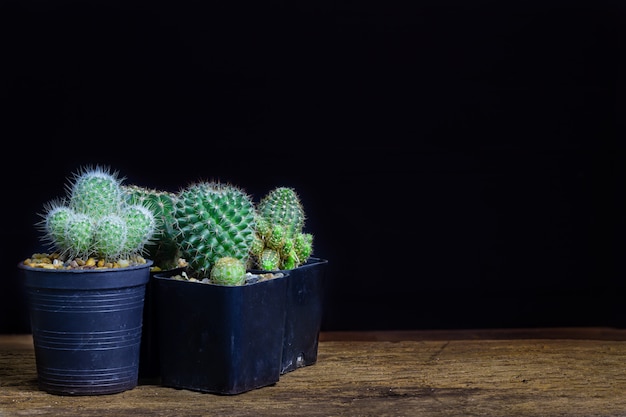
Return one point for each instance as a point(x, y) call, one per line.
point(304, 304)
point(220, 339)
point(86, 327)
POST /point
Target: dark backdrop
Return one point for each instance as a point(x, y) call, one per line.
point(459, 161)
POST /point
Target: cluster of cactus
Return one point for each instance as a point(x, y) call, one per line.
point(214, 227)
point(214, 220)
point(94, 220)
point(280, 242)
point(163, 249)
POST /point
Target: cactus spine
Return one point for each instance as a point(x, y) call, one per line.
point(93, 220)
point(214, 220)
point(280, 242)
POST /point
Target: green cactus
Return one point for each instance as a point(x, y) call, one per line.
point(275, 239)
point(228, 271)
point(280, 222)
point(269, 260)
point(214, 220)
point(141, 224)
point(163, 249)
point(258, 244)
point(303, 245)
point(57, 218)
point(110, 236)
point(281, 206)
point(263, 226)
point(96, 192)
point(95, 221)
point(79, 235)
point(290, 260)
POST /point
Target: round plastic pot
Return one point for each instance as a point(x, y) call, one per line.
point(86, 327)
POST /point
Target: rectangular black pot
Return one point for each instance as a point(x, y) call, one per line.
point(305, 301)
point(220, 339)
point(305, 298)
point(149, 362)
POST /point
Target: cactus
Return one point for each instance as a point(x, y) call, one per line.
point(79, 235)
point(280, 242)
point(282, 207)
point(57, 218)
point(163, 249)
point(303, 245)
point(110, 235)
point(269, 260)
point(94, 220)
point(213, 220)
point(141, 224)
point(96, 192)
point(228, 271)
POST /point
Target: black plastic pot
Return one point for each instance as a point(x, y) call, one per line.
point(86, 327)
point(149, 363)
point(305, 299)
point(220, 339)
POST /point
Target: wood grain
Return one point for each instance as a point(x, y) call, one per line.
point(456, 377)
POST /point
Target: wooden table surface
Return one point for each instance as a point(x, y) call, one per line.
point(505, 373)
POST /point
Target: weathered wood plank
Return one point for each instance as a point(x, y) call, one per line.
point(525, 377)
point(589, 333)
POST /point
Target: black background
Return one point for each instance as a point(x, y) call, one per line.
point(460, 162)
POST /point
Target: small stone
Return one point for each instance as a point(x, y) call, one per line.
point(251, 278)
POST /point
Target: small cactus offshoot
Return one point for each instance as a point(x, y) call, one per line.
point(282, 207)
point(280, 242)
point(228, 271)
